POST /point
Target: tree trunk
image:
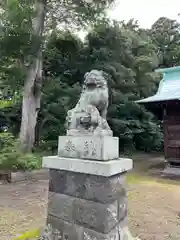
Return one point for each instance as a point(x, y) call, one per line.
point(33, 83)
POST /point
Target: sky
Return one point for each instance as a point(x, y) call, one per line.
point(145, 11)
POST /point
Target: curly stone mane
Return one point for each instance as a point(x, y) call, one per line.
point(95, 92)
point(89, 114)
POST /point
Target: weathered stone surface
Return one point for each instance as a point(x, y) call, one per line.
point(122, 207)
point(75, 232)
point(58, 180)
point(93, 235)
point(89, 115)
point(124, 234)
point(61, 206)
point(123, 230)
point(70, 230)
point(171, 172)
point(87, 199)
point(90, 187)
point(105, 189)
point(99, 168)
point(97, 216)
point(89, 147)
point(120, 232)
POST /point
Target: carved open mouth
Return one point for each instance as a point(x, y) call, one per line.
point(91, 85)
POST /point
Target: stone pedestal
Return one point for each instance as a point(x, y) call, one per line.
point(170, 171)
point(88, 198)
point(87, 147)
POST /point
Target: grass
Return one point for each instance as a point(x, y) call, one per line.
point(30, 235)
point(134, 178)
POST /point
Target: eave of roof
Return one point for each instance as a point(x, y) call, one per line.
point(156, 98)
point(169, 86)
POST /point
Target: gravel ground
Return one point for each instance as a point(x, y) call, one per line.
point(154, 212)
point(22, 207)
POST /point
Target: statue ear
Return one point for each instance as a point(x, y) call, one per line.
point(105, 75)
point(86, 74)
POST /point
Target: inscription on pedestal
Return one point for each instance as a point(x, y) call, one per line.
point(96, 148)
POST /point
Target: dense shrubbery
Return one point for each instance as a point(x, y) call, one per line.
point(11, 156)
point(128, 54)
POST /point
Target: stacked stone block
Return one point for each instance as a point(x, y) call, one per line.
point(84, 206)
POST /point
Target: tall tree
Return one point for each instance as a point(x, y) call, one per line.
point(145, 59)
point(35, 15)
point(165, 34)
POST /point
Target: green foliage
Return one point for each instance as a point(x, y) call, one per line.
point(5, 104)
point(136, 128)
point(128, 56)
point(24, 26)
point(166, 36)
point(16, 26)
point(16, 41)
point(10, 113)
point(11, 156)
point(127, 53)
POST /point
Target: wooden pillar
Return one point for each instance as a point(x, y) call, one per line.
point(165, 132)
point(171, 126)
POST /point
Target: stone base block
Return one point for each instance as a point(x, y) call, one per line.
point(107, 169)
point(88, 198)
point(83, 206)
point(73, 231)
point(102, 217)
point(90, 187)
point(171, 172)
point(87, 147)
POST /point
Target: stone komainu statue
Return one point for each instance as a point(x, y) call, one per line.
point(89, 115)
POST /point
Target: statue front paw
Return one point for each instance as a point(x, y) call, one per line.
point(85, 119)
